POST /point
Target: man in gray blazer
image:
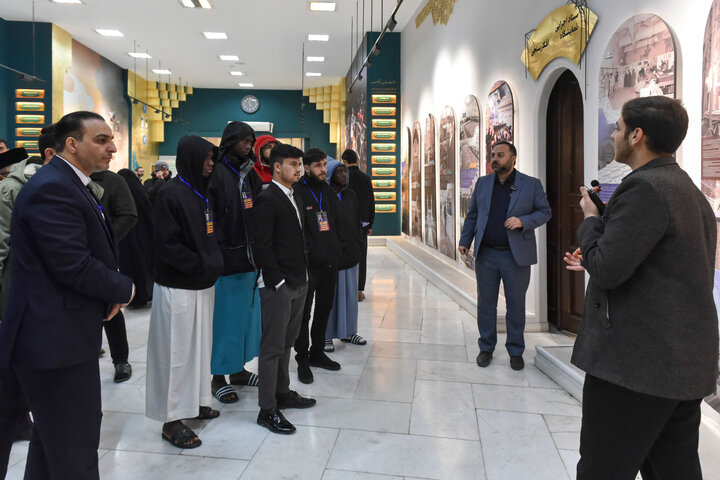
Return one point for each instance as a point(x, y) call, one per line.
point(506, 208)
point(648, 340)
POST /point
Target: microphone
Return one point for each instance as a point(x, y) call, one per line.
point(594, 183)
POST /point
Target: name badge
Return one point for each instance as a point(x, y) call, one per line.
point(323, 222)
point(247, 200)
point(209, 224)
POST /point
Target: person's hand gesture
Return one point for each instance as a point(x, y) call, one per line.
point(574, 260)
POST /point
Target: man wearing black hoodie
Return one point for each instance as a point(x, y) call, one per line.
point(237, 325)
point(325, 244)
point(188, 261)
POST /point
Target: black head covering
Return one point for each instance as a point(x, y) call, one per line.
point(12, 156)
point(234, 132)
point(191, 153)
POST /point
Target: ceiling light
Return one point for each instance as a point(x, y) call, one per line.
point(322, 6)
point(238, 73)
point(195, 3)
point(187, 3)
point(313, 74)
point(109, 33)
point(313, 37)
point(139, 55)
point(215, 35)
point(69, 2)
point(315, 59)
point(229, 58)
point(161, 71)
point(246, 85)
point(205, 3)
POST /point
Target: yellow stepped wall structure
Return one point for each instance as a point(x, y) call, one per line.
point(331, 100)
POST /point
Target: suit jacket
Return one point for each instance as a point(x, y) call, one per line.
point(279, 245)
point(649, 322)
point(64, 273)
point(528, 202)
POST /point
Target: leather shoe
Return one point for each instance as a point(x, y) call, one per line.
point(305, 375)
point(274, 421)
point(517, 363)
point(323, 361)
point(123, 372)
point(483, 359)
point(293, 400)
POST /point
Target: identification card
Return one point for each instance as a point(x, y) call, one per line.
point(323, 222)
point(247, 200)
point(209, 224)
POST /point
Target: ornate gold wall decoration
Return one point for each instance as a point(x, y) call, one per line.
point(439, 9)
point(331, 101)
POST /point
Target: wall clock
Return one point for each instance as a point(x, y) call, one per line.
point(250, 104)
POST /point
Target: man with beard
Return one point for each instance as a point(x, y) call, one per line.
point(158, 178)
point(325, 244)
point(188, 261)
point(234, 187)
point(262, 148)
point(505, 209)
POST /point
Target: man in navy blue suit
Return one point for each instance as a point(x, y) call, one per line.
point(506, 208)
point(65, 282)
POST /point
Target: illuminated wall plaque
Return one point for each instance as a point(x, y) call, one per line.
point(383, 172)
point(385, 196)
point(383, 159)
point(27, 132)
point(29, 93)
point(30, 106)
point(382, 135)
point(384, 98)
point(384, 111)
point(27, 144)
point(385, 208)
point(383, 183)
point(383, 147)
point(30, 119)
point(383, 123)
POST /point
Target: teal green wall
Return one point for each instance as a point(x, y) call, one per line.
point(207, 111)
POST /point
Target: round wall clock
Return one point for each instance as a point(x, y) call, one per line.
point(250, 104)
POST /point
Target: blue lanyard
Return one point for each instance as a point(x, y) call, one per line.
point(231, 168)
point(207, 204)
point(313, 194)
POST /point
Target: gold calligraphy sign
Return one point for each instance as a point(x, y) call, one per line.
point(563, 33)
point(440, 10)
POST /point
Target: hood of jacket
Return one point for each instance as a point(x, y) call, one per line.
point(22, 171)
point(234, 132)
point(191, 153)
point(261, 141)
point(332, 165)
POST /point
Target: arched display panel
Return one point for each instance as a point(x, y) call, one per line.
point(639, 61)
point(469, 141)
point(430, 185)
point(405, 184)
point(446, 189)
point(499, 119)
point(415, 185)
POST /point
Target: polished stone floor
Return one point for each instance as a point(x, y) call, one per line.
point(411, 404)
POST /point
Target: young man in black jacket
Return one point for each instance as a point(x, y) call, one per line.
point(188, 261)
point(325, 244)
point(234, 186)
point(280, 254)
point(361, 184)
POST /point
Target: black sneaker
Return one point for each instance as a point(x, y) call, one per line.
point(483, 359)
point(321, 360)
point(517, 363)
point(293, 400)
point(305, 375)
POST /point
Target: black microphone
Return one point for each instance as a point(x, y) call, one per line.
point(594, 183)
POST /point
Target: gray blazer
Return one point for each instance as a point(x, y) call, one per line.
point(649, 322)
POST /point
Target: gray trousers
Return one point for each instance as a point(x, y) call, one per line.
point(281, 318)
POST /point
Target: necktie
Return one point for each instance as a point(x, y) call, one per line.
point(96, 189)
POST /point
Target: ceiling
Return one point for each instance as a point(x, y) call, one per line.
point(267, 35)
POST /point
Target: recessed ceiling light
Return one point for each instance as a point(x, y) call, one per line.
point(247, 85)
point(139, 55)
point(322, 6)
point(195, 3)
point(229, 58)
point(69, 2)
point(313, 37)
point(109, 33)
point(215, 35)
point(205, 3)
point(238, 73)
point(187, 3)
point(161, 71)
point(313, 74)
point(315, 59)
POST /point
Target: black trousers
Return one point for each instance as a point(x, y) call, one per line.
point(624, 432)
point(13, 410)
point(67, 409)
point(321, 289)
point(362, 274)
point(117, 338)
point(281, 318)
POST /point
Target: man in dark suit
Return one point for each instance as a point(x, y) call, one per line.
point(64, 284)
point(281, 255)
point(648, 341)
point(506, 208)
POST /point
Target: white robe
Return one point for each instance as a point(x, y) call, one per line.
point(178, 353)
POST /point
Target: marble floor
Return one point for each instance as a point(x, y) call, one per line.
point(410, 404)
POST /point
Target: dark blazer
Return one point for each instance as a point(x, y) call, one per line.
point(279, 246)
point(649, 322)
point(528, 202)
point(118, 201)
point(360, 183)
point(64, 273)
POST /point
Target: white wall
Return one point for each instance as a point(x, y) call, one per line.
point(483, 43)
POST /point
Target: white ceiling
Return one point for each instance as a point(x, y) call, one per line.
point(267, 35)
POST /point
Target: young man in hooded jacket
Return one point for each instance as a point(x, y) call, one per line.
point(237, 325)
point(262, 148)
point(188, 261)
